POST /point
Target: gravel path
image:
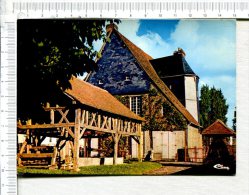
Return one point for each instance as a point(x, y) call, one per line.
point(167, 170)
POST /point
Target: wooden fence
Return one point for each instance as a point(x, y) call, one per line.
point(199, 154)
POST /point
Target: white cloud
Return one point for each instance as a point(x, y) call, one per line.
point(206, 43)
point(152, 43)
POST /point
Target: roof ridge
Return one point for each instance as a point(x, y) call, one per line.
point(123, 37)
point(209, 129)
point(89, 84)
point(220, 121)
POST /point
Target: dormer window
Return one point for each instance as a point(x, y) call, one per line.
point(127, 78)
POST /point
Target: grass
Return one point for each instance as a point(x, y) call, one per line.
point(134, 168)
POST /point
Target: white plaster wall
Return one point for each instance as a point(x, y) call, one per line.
point(167, 143)
point(134, 150)
point(49, 142)
point(21, 138)
point(146, 141)
point(194, 137)
point(94, 144)
point(191, 96)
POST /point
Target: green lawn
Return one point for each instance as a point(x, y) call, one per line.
point(134, 168)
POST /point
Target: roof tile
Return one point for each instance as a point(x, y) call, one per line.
point(218, 128)
point(98, 98)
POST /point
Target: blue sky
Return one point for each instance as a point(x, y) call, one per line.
point(209, 46)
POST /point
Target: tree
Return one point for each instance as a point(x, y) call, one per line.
point(234, 120)
point(50, 52)
point(212, 106)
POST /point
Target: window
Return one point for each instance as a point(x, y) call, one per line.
point(136, 104)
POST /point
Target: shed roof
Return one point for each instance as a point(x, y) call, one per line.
point(98, 98)
point(143, 60)
point(218, 128)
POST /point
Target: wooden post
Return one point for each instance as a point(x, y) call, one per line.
point(140, 144)
point(185, 145)
point(52, 116)
point(85, 149)
point(53, 160)
point(89, 140)
point(24, 144)
point(116, 138)
point(76, 140)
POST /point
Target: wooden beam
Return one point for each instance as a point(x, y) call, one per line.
point(52, 116)
point(24, 144)
point(41, 140)
point(45, 126)
point(83, 116)
point(35, 155)
point(53, 108)
point(186, 145)
point(82, 132)
point(108, 130)
point(76, 140)
point(64, 116)
point(140, 144)
point(135, 138)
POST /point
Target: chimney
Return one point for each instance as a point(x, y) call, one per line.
point(180, 51)
point(110, 27)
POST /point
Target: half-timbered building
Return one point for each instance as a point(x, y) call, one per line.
point(91, 117)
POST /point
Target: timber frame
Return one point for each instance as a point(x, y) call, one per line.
point(64, 130)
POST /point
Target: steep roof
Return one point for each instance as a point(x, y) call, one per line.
point(97, 98)
point(144, 61)
point(172, 66)
point(218, 128)
point(118, 71)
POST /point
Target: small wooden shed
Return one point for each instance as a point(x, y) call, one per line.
point(218, 129)
point(218, 139)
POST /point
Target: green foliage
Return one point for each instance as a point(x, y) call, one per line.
point(212, 106)
point(171, 119)
point(152, 124)
point(153, 92)
point(50, 52)
point(234, 121)
point(174, 118)
point(134, 168)
point(124, 100)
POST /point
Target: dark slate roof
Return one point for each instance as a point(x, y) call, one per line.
point(118, 71)
point(99, 99)
point(143, 60)
point(172, 66)
point(218, 128)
